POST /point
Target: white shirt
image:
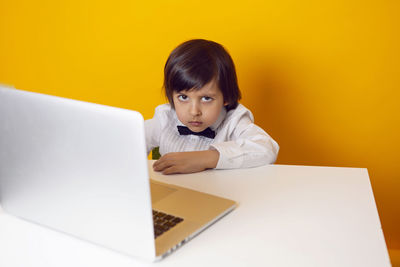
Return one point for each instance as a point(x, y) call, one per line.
point(238, 140)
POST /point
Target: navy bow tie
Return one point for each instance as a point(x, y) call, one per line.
point(183, 130)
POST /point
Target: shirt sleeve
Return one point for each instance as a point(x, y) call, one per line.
point(152, 128)
point(250, 146)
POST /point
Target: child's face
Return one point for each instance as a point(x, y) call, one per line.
point(199, 109)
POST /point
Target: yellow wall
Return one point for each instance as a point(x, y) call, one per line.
point(322, 77)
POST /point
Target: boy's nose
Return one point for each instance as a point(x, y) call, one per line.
point(195, 110)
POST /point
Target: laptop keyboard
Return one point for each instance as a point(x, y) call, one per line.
point(163, 222)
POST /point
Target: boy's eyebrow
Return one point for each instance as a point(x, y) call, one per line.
point(210, 93)
point(205, 94)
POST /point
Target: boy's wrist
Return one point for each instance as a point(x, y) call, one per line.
point(212, 157)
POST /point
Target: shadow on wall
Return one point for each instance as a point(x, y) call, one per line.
point(395, 257)
point(311, 126)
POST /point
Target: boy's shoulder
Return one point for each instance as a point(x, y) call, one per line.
point(239, 112)
point(165, 113)
point(163, 108)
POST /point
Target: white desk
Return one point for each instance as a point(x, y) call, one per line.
point(287, 216)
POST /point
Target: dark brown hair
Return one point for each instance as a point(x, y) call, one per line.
point(195, 63)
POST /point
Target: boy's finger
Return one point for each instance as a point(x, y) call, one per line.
point(155, 164)
point(158, 162)
point(170, 170)
point(162, 165)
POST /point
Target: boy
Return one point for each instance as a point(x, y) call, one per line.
point(204, 126)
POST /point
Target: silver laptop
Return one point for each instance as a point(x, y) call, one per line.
point(81, 168)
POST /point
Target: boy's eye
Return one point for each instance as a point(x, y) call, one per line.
point(182, 97)
point(206, 98)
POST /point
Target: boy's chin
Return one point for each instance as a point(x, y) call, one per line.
point(196, 129)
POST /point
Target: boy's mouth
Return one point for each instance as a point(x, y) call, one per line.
point(195, 123)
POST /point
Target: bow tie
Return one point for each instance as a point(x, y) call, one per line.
point(183, 130)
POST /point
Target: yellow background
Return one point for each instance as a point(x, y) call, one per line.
point(322, 77)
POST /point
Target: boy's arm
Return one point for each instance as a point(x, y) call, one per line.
point(152, 128)
point(187, 162)
point(251, 147)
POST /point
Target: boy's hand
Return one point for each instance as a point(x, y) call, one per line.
point(187, 162)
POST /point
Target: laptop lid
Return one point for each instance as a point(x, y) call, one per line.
point(61, 158)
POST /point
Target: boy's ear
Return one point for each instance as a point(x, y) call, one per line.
point(225, 104)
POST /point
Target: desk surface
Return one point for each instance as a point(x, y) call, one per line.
point(287, 216)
